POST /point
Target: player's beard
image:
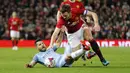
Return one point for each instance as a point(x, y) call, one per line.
point(43, 50)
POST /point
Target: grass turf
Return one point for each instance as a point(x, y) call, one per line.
point(14, 61)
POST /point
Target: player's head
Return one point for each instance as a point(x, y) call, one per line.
point(40, 45)
point(14, 14)
point(72, 1)
point(65, 11)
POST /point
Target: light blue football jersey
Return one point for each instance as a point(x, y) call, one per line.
point(50, 53)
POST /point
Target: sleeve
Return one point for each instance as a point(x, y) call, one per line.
point(35, 58)
point(83, 10)
point(60, 23)
point(54, 47)
point(82, 5)
point(79, 10)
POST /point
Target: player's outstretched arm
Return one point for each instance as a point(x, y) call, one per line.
point(31, 64)
point(95, 18)
point(58, 15)
point(54, 36)
point(59, 39)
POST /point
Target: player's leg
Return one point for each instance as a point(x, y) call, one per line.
point(13, 38)
point(17, 38)
point(13, 42)
point(77, 53)
point(74, 40)
point(70, 58)
point(74, 55)
point(88, 36)
point(16, 44)
point(78, 48)
point(67, 59)
point(88, 54)
point(67, 49)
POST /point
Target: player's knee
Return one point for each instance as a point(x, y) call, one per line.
point(17, 38)
point(76, 48)
point(87, 34)
point(86, 29)
point(90, 38)
point(12, 38)
point(69, 60)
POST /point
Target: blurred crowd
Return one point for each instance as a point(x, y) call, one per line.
point(39, 17)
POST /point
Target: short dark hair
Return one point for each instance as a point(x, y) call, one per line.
point(37, 40)
point(65, 8)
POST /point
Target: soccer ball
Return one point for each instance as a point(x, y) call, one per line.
point(50, 62)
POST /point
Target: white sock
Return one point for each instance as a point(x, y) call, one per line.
point(86, 53)
point(77, 53)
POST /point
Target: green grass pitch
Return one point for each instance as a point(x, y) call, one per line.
point(14, 61)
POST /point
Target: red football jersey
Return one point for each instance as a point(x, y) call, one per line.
point(14, 23)
point(75, 5)
point(73, 24)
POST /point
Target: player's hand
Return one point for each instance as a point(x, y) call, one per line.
point(28, 66)
point(49, 47)
point(96, 28)
point(63, 29)
point(20, 28)
point(88, 19)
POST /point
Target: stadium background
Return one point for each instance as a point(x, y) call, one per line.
point(39, 18)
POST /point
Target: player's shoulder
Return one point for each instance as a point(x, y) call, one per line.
point(65, 2)
point(36, 54)
point(68, 2)
point(79, 0)
point(18, 18)
point(53, 48)
point(39, 53)
point(61, 19)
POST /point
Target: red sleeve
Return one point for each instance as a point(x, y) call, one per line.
point(82, 5)
point(79, 10)
point(60, 23)
point(82, 9)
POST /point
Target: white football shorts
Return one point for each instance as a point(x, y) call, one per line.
point(14, 34)
point(75, 38)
